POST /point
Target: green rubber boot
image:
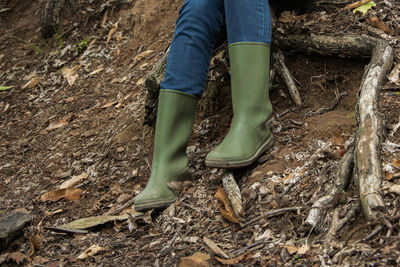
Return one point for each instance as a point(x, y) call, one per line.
point(174, 125)
point(249, 136)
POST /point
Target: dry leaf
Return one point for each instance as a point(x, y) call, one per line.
point(92, 251)
point(394, 75)
point(377, 23)
point(304, 249)
point(142, 55)
point(75, 180)
point(225, 206)
point(291, 249)
point(388, 176)
point(99, 69)
point(109, 104)
point(60, 123)
point(395, 189)
point(35, 243)
point(214, 247)
point(32, 83)
point(56, 195)
point(140, 81)
point(112, 32)
point(69, 74)
point(17, 257)
point(236, 260)
point(89, 222)
point(396, 163)
point(198, 259)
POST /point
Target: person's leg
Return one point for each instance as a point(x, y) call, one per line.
point(186, 74)
point(195, 33)
point(249, 37)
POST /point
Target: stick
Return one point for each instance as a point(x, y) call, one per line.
point(272, 213)
point(356, 4)
point(233, 192)
point(342, 178)
point(286, 76)
point(124, 206)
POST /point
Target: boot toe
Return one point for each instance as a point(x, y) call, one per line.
point(154, 199)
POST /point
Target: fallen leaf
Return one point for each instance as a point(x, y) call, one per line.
point(112, 32)
point(89, 222)
point(394, 75)
point(109, 104)
point(291, 249)
point(388, 176)
point(99, 69)
point(236, 260)
point(215, 248)
point(40, 260)
point(304, 249)
point(75, 180)
point(198, 259)
point(32, 83)
point(377, 23)
point(35, 243)
point(17, 257)
point(364, 8)
point(225, 206)
point(69, 74)
point(61, 123)
point(395, 189)
point(396, 163)
point(92, 251)
point(142, 55)
point(140, 81)
point(56, 195)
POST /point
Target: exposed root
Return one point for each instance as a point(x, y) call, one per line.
point(342, 180)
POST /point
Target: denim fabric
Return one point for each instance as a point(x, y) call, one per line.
point(196, 30)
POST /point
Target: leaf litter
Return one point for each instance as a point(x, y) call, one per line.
point(196, 213)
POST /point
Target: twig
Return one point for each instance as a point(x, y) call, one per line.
point(333, 229)
point(342, 177)
point(332, 106)
point(244, 250)
point(286, 76)
point(124, 206)
point(272, 213)
point(356, 4)
point(165, 250)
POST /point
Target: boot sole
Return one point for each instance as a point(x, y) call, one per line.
point(159, 205)
point(219, 163)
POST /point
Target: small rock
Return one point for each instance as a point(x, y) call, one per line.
point(11, 226)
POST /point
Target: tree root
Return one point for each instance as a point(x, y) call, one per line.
point(343, 176)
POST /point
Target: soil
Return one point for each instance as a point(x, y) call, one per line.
point(53, 130)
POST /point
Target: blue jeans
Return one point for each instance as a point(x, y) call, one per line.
point(196, 30)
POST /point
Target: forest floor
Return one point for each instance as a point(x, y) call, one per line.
point(75, 111)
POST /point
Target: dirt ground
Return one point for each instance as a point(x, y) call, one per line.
point(76, 108)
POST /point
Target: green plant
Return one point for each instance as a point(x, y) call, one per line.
point(4, 88)
point(83, 45)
